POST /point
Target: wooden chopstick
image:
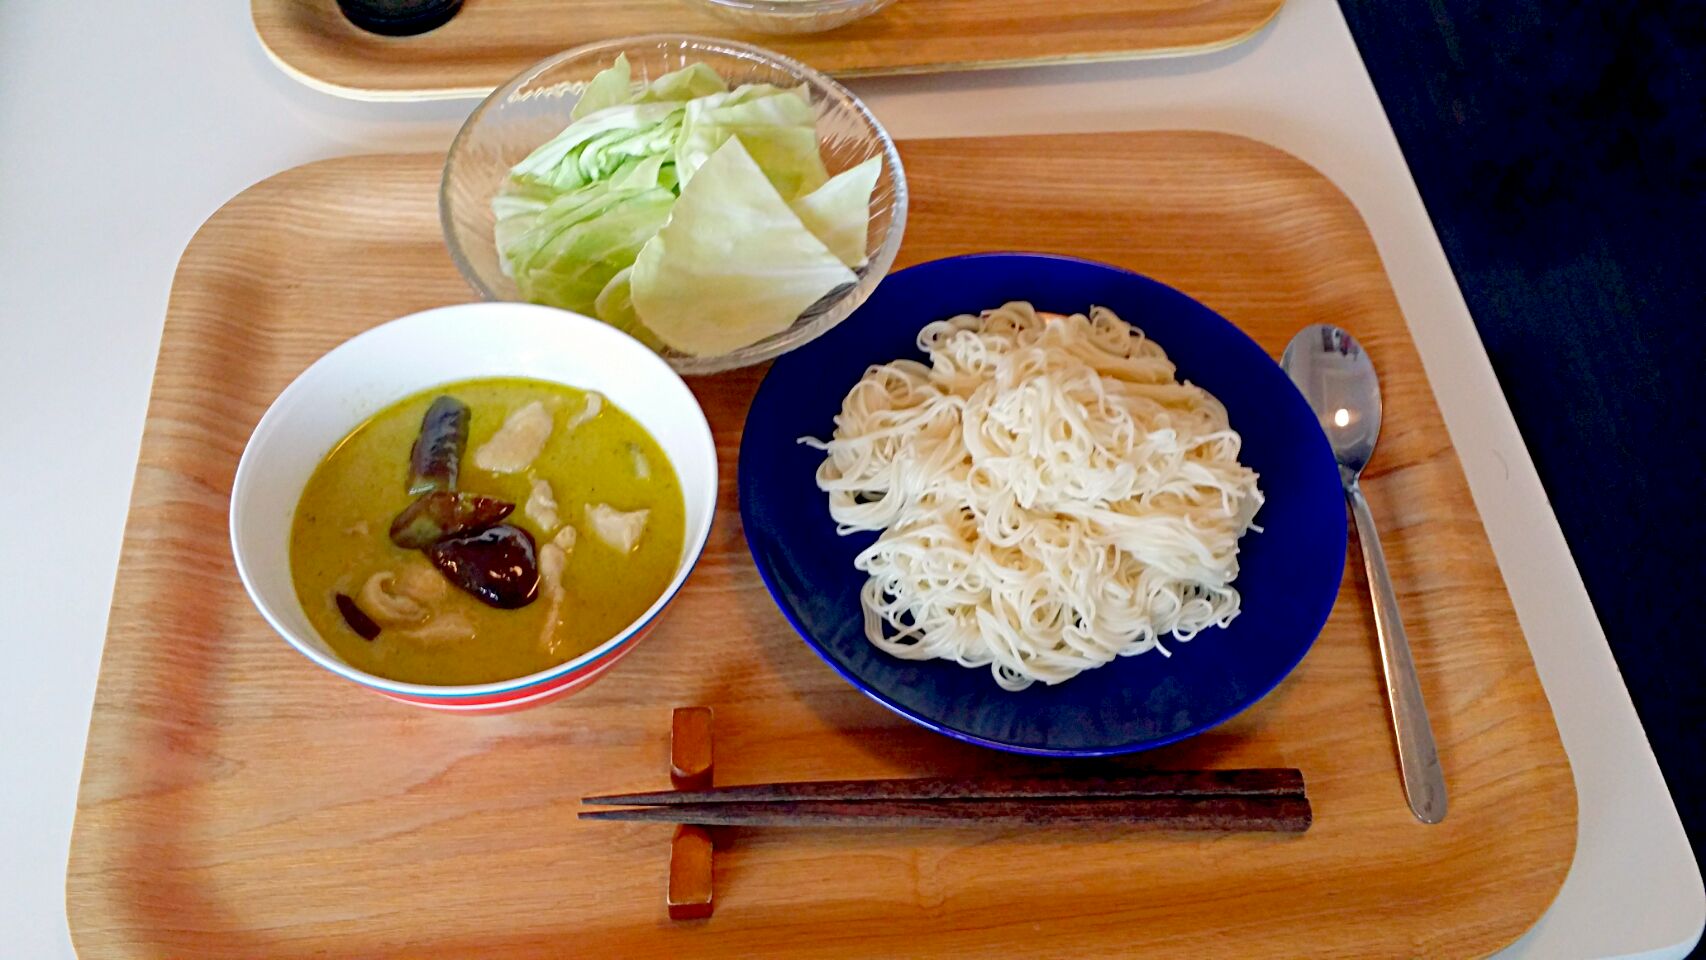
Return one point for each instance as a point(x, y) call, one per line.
point(1261, 799)
point(1170, 783)
point(1282, 814)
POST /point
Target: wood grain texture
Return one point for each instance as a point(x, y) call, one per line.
point(238, 801)
point(492, 40)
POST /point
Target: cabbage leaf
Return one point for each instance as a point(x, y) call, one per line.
point(734, 264)
point(684, 212)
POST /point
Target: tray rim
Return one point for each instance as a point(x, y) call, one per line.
point(480, 91)
point(79, 831)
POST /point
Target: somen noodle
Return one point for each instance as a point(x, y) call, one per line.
point(1050, 496)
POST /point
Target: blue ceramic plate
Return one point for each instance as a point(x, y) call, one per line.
point(1288, 574)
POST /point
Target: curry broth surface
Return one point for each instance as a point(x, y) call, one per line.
point(340, 534)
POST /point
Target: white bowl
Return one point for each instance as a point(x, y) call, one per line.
point(406, 356)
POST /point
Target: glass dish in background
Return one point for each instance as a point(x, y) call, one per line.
point(789, 16)
point(534, 107)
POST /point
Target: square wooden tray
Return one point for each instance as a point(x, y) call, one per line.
point(237, 801)
point(490, 41)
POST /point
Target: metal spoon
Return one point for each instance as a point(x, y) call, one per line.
point(1338, 379)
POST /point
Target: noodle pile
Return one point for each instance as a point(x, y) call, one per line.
point(1049, 496)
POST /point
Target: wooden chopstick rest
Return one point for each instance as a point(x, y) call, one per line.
point(689, 895)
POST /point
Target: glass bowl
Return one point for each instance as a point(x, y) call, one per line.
point(790, 16)
point(534, 107)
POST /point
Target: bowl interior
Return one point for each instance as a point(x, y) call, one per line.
point(403, 357)
point(534, 107)
point(1289, 572)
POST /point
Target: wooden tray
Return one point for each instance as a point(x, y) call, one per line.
point(237, 801)
point(492, 40)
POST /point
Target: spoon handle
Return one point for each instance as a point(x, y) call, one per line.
point(1424, 781)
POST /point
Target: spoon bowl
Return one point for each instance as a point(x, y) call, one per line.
point(1339, 381)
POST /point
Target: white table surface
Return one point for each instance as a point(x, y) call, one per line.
point(123, 125)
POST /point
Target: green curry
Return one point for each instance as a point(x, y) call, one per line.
point(593, 469)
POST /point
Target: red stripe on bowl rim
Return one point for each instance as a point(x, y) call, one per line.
point(533, 693)
point(575, 683)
